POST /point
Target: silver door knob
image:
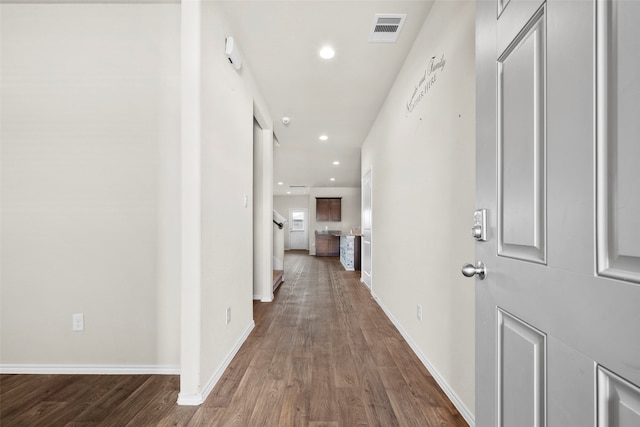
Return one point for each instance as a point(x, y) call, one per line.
point(470, 270)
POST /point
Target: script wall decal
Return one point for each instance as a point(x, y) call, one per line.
point(426, 82)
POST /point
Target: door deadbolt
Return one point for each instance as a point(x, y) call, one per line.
point(479, 229)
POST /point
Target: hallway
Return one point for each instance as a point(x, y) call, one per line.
point(130, 191)
point(322, 354)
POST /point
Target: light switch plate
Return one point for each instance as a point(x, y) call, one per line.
point(78, 322)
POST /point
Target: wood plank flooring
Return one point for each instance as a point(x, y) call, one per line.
point(323, 354)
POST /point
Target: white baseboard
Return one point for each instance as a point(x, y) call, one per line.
point(199, 398)
point(190, 400)
point(464, 411)
point(89, 369)
point(261, 299)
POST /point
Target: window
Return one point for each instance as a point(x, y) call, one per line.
point(297, 223)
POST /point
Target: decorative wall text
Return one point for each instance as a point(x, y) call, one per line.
point(426, 82)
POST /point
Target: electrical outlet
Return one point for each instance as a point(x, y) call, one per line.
point(77, 322)
point(228, 315)
point(419, 312)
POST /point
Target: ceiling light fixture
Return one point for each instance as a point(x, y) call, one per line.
point(332, 179)
point(280, 183)
point(323, 137)
point(336, 163)
point(327, 52)
point(286, 120)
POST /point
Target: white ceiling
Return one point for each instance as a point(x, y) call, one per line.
point(279, 42)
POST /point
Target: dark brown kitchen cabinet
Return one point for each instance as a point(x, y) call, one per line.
point(329, 209)
point(327, 245)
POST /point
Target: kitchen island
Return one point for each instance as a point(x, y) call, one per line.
point(350, 251)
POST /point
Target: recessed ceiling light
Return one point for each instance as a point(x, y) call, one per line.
point(280, 183)
point(288, 192)
point(336, 163)
point(327, 52)
point(323, 137)
point(332, 179)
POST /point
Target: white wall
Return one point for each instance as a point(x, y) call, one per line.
point(126, 155)
point(351, 202)
point(90, 185)
point(423, 170)
point(225, 103)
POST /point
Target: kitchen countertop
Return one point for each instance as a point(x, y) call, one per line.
point(329, 232)
point(339, 233)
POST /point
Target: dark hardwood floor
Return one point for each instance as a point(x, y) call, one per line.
point(322, 354)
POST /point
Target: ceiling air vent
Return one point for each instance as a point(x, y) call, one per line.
point(297, 186)
point(386, 27)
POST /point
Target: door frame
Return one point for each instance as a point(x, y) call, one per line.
point(368, 175)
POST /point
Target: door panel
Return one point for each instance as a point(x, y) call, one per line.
point(557, 150)
point(617, 105)
point(618, 401)
point(521, 144)
point(521, 373)
point(512, 18)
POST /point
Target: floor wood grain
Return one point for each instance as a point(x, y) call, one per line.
point(322, 354)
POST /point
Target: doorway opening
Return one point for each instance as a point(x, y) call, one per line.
point(366, 264)
point(298, 229)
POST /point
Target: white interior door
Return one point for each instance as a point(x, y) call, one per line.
point(298, 233)
point(558, 168)
point(365, 249)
